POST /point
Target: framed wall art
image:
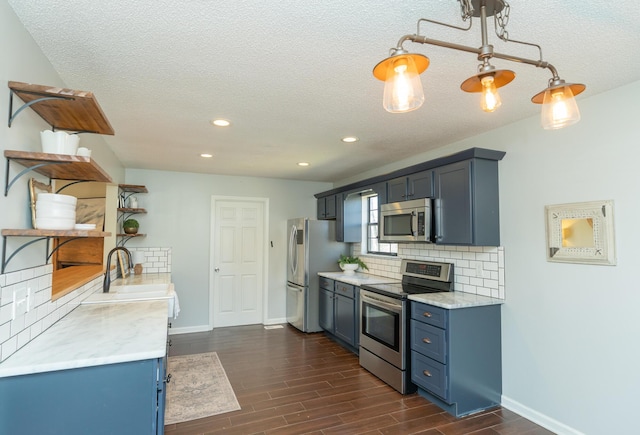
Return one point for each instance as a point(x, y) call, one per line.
point(581, 232)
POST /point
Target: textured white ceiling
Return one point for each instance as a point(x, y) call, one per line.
point(294, 77)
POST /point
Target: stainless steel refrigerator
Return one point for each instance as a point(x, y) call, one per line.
point(311, 249)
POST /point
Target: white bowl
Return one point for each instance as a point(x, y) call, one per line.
point(55, 197)
point(54, 212)
point(55, 223)
point(84, 227)
point(59, 142)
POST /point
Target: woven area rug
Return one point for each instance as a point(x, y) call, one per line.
point(198, 388)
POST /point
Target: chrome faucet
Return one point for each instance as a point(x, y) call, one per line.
point(107, 274)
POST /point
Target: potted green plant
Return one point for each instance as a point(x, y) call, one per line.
point(130, 226)
point(349, 264)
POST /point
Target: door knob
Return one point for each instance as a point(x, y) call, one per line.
point(217, 269)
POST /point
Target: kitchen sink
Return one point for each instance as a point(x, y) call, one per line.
point(143, 289)
point(137, 292)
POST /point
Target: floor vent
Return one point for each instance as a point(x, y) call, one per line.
point(273, 327)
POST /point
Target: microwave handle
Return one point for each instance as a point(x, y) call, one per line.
point(414, 223)
point(437, 204)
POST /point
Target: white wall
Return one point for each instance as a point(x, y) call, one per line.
point(569, 331)
point(21, 60)
point(179, 217)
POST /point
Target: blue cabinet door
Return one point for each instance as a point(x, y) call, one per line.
point(325, 307)
point(345, 310)
point(108, 399)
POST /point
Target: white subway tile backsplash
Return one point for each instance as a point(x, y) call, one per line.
point(42, 313)
point(5, 332)
point(9, 347)
point(477, 269)
point(5, 313)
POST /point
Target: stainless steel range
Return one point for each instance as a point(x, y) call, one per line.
point(384, 325)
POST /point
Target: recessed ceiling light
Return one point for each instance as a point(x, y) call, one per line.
point(303, 164)
point(206, 155)
point(350, 139)
point(220, 122)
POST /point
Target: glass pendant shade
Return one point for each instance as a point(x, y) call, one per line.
point(490, 97)
point(559, 108)
point(402, 87)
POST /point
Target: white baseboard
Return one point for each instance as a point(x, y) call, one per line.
point(539, 418)
point(206, 328)
point(275, 321)
point(189, 329)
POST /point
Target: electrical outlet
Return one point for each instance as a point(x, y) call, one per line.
point(20, 302)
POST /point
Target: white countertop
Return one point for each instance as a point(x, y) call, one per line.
point(358, 278)
point(449, 300)
point(95, 334)
point(453, 300)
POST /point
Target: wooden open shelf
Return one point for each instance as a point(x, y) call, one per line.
point(55, 233)
point(60, 166)
point(133, 188)
point(132, 210)
point(68, 110)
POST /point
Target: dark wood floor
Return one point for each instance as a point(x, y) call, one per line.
point(288, 382)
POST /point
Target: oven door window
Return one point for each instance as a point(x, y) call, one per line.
point(381, 325)
point(398, 225)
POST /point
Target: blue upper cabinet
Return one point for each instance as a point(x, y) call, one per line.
point(466, 205)
point(327, 207)
point(413, 186)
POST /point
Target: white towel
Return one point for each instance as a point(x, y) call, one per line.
point(176, 304)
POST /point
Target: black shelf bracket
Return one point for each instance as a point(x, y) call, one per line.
point(123, 240)
point(8, 184)
point(5, 260)
point(12, 116)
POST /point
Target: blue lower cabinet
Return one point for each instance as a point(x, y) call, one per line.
point(339, 312)
point(124, 398)
point(456, 358)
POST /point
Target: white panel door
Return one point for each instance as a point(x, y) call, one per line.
point(238, 243)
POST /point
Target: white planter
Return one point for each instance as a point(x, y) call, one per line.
point(349, 269)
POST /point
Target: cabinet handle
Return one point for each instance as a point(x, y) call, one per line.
point(426, 314)
point(167, 379)
point(426, 340)
point(427, 373)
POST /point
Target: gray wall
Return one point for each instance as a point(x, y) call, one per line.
point(569, 331)
point(179, 217)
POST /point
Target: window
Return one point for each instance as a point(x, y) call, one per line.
point(374, 246)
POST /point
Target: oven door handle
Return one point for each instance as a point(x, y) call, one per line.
point(373, 301)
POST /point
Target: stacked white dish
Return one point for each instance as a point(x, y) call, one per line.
point(55, 212)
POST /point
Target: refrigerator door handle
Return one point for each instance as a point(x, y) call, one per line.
point(293, 250)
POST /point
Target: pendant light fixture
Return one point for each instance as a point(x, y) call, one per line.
point(401, 70)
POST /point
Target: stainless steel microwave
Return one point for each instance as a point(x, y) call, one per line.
point(406, 221)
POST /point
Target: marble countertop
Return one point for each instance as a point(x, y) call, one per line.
point(95, 334)
point(449, 300)
point(358, 278)
point(453, 300)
